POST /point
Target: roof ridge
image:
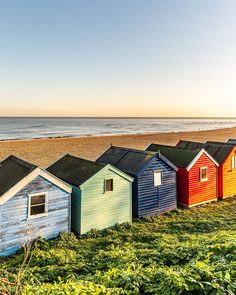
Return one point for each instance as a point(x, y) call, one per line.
point(133, 150)
point(185, 140)
point(176, 147)
point(75, 170)
point(13, 170)
point(19, 161)
point(86, 160)
point(225, 144)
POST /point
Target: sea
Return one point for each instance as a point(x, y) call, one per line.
point(30, 128)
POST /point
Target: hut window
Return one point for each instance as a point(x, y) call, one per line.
point(37, 204)
point(157, 178)
point(109, 185)
point(233, 162)
point(203, 174)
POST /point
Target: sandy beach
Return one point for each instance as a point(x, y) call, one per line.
point(43, 152)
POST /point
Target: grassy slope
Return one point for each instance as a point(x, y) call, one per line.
point(182, 252)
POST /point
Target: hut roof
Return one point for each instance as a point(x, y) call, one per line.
point(186, 144)
point(231, 141)
point(131, 161)
point(179, 156)
point(74, 170)
point(218, 150)
point(12, 170)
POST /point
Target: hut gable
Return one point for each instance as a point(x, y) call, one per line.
point(16, 173)
point(12, 170)
point(32, 200)
point(218, 150)
point(202, 190)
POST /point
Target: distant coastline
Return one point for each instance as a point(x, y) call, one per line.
point(118, 117)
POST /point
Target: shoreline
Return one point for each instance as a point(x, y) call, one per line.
point(44, 151)
point(110, 135)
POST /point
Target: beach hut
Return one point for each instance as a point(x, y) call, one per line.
point(101, 195)
point(154, 186)
point(225, 155)
point(196, 176)
point(33, 203)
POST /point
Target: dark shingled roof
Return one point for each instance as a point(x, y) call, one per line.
point(231, 141)
point(190, 144)
point(218, 150)
point(128, 160)
point(12, 170)
point(178, 156)
point(74, 170)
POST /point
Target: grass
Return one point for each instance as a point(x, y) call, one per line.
point(187, 251)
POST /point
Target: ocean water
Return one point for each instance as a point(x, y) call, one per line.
point(27, 128)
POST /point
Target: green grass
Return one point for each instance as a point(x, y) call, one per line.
point(188, 251)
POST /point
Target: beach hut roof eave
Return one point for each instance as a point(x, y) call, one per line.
point(202, 151)
point(169, 163)
point(13, 190)
point(177, 156)
point(129, 160)
point(75, 170)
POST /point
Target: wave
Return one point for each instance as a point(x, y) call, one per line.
point(30, 128)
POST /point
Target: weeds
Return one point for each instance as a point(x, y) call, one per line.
point(183, 252)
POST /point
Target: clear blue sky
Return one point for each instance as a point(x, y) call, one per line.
point(118, 57)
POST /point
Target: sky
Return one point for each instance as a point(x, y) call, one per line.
point(118, 58)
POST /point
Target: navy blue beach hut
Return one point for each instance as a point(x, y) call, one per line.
point(154, 187)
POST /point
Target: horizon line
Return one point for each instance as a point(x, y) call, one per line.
point(114, 117)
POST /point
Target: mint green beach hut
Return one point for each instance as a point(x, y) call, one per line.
point(101, 194)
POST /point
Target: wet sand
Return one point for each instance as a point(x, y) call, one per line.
point(44, 152)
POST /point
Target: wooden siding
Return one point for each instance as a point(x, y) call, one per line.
point(220, 181)
point(16, 229)
point(202, 191)
point(156, 199)
point(99, 209)
point(135, 204)
point(228, 177)
point(183, 186)
point(76, 210)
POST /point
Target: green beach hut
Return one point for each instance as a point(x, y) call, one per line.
point(101, 194)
